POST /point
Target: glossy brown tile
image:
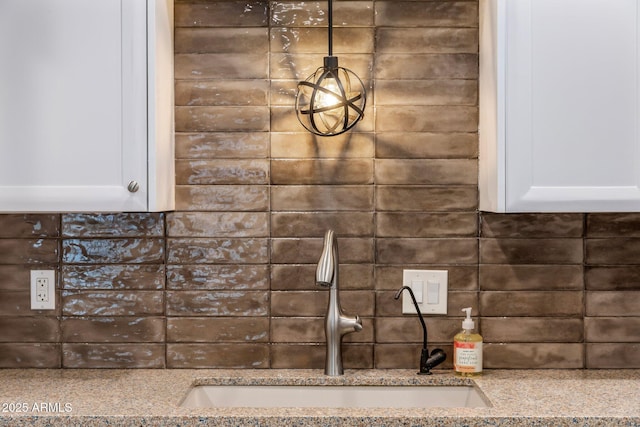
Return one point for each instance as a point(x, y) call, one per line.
point(426, 172)
point(311, 356)
point(113, 277)
point(613, 356)
point(29, 225)
point(614, 251)
point(221, 14)
point(531, 225)
point(112, 329)
point(218, 145)
point(30, 355)
point(299, 145)
point(449, 224)
point(407, 329)
point(249, 40)
point(410, 198)
point(212, 330)
point(222, 197)
point(407, 356)
point(321, 198)
point(295, 277)
point(314, 303)
point(460, 277)
point(217, 224)
point(311, 330)
point(189, 66)
point(18, 303)
point(250, 356)
point(426, 118)
point(531, 329)
point(533, 356)
point(387, 305)
point(304, 14)
point(116, 356)
point(351, 250)
point(612, 303)
point(426, 40)
point(221, 93)
point(218, 303)
point(427, 251)
point(613, 225)
point(225, 251)
point(426, 14)
point(310, 172)
point(211, 172)
point(546, 277)
point(113, 251)
point(612, 278)
point(295, 224)
point(112, 303)
point(314, 39)
point(113, 225)
point(611, 329)
point(427, 92)
point(217, 277)
point(29, 329)
point(531, 251)
point(226, 119)
point(414, 145)
point(29, 251)
point(17, 277)
point(532, 303)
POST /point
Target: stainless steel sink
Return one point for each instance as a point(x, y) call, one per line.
point(321, 396)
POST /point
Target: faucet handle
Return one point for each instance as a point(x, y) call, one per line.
point(358, 325)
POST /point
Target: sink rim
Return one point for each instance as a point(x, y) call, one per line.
point(271, 395)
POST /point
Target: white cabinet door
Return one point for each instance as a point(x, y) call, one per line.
point(559, 105)
point(75, 84)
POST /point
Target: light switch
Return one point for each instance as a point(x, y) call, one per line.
point(433, 292)
point(430, 289)
point(417, 286)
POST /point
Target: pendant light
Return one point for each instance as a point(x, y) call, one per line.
point(331, 100)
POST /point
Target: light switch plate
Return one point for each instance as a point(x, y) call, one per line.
point(432, 285)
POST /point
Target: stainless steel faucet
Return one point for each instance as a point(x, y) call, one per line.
point(337, 323)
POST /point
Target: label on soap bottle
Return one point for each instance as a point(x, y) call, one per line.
point(467, 356)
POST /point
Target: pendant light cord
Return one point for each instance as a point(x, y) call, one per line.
point(330, 13)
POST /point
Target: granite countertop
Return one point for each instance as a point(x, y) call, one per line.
point(39, 397)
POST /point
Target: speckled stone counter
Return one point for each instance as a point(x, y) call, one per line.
point(152, 397)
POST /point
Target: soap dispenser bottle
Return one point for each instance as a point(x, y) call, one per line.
point(467, 349)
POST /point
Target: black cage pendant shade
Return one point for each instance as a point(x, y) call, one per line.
point(331, 100)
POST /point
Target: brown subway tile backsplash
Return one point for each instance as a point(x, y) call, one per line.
point(29, 225)
point(218, 145)
point(113, 355)
point(221, 14)
point(112, 303)
point(112, 329)
point(227, 280)
point(532, 303)
point(533, 355)
point(217, 303)
point(427, 14)
point(30, 355)
point(426, 40)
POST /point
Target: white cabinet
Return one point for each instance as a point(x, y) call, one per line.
point(559, 105)
point(86, 105)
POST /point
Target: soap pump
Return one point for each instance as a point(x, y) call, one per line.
point(467, 349)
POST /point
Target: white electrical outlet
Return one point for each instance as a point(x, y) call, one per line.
point(43, 289)
point(430, 289)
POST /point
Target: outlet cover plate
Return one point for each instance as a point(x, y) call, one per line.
point(430, 288)
point(43, 289)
